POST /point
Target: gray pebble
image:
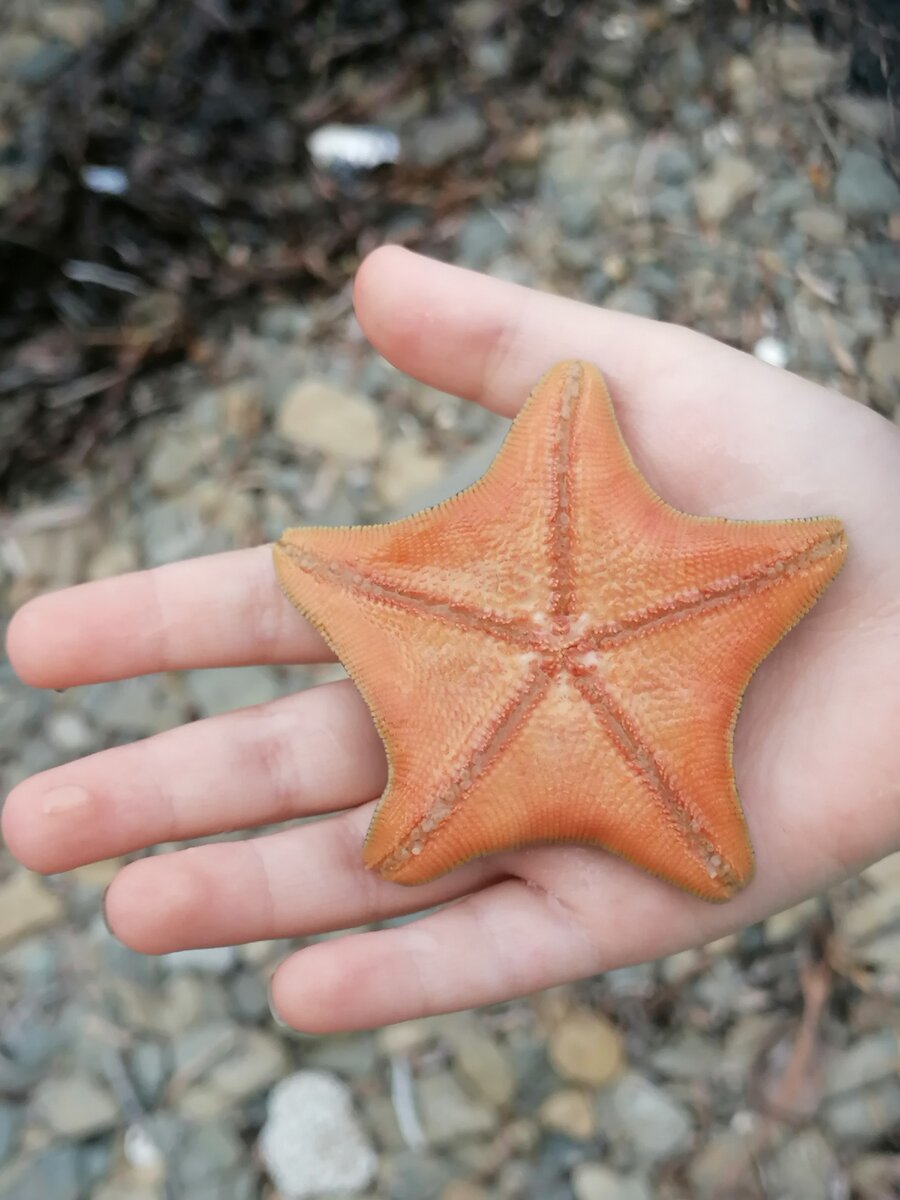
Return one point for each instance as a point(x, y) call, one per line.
point(219, 691)
point(865, 187)
point(11, 1118)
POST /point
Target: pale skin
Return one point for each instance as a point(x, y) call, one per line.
point(817, 759)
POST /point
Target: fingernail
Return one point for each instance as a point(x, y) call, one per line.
point(103, 912)
point(282, 1024)
point(63, 800)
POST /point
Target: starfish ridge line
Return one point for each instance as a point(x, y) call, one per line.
point(483, 753)
point(664, 613)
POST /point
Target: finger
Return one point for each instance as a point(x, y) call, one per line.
point(504, 941)
point(712, 428)
point(223, 610)
point(291, 884)
point(311, 753)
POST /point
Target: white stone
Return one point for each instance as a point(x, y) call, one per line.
point(312, 1142)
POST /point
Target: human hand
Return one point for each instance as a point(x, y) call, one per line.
point(816, 755)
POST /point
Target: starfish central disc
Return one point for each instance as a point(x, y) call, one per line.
point(555, 654)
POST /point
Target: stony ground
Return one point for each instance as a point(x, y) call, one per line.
point(760, 210)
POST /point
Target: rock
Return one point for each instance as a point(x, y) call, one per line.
point(718, 192)
point(743, 83)
point(674, 164)
point(75, 1106)
point(10, 1124)
point(636, 1111)
point(311, 1141)
point(241, 406)
point(406, 469)
point(864, 187)
point(593, 1181)
point(867, 1061)
point(412, 1175)
point(171, 531)
point(353, 1056)
point(249, 997)
point(150, 1063)
point(208, 960)
point(72, 23)
point(70, 732)
point(687, 1055)
point(883, 368)
point(55, 1174)
point(174, 462)
point(113, 558)
point(26, 906)
point(317, 415)
point(586, 1048)
point(256, 1062)
point(207, 1153)
point(632, 299)
point(670, 203)
point(804, 68)
point(772, 350)
point(436, 140)
point(447, 1113)
point(804, 1168)
point(588, 170)
point(461, 1189)
point(717, 1159)
point(485, 1067)
point(822, 225)
point(483, 238)
point(867, 115)
point(786, 195)
point(569, 1111)
point(135, 707)
point(219, 691)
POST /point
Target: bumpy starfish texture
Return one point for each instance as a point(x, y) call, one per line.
point(555, 654)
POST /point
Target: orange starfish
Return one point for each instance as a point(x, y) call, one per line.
point(555, 654)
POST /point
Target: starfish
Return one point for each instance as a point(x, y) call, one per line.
point(557, 655)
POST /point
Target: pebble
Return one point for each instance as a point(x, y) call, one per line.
point(636, 1111)
point(448, 1113)
point(241, 405)
point(585, 1048)
point(27, 906)
point(10, 1124)
point(483, 238)
point(864, 187)
point(883, 362)
point(569, 1111)
point(822, 224)
point(213, 692)
point(772, 350)
point(315, 414)
point(175, 460)
point(804, 1168)
point(593, 1181)
point(412, 1175)
point(404, 473)
point(312, 1141)
point(721, 189)
point(804, 68)
point(54, 1174)
point(75, 1106)
point(436, 140)
point(485, 1067)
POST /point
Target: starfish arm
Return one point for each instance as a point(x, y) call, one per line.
point(433, 687)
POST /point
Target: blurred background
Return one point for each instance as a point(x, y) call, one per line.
point(180, 373)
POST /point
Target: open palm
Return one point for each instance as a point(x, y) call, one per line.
point(816, 756)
